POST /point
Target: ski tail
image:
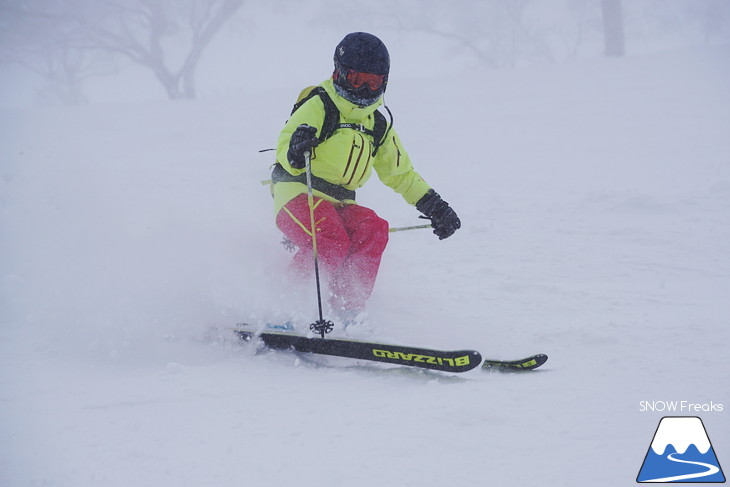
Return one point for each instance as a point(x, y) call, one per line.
point(528, 363)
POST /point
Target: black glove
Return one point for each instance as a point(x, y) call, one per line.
point(302, 140)
point(443, 218)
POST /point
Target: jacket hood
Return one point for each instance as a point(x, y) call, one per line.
point(349, 110)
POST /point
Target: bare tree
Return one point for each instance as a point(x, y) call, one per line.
point(494, 32)
point(613, 28)
point(138, 30)
point(41, 45)
point(712, 17)
point(168, 37)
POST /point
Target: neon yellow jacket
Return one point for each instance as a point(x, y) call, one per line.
point(345, 159)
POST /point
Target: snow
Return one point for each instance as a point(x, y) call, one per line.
point(595, 200)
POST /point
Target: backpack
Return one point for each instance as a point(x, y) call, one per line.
point(332, 118)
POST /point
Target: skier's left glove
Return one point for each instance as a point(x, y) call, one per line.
point(443, 218)
point(302, 140)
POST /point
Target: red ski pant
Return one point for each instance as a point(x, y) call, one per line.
point(350, 242)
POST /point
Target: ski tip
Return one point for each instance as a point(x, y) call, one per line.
point(528, 363)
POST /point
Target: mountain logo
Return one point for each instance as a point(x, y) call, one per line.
point(681, 452)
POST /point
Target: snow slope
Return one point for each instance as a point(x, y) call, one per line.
point(595, 201)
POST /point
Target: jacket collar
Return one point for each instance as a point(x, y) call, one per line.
point(349, 110)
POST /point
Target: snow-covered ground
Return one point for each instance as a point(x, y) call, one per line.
point(595, 200)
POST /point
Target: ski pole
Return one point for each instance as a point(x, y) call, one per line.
point(413, 227)
point(320, 326)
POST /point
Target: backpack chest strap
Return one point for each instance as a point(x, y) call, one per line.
point(360, 128)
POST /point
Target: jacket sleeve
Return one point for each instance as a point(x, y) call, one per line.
point(395, 170)
point(312, 114)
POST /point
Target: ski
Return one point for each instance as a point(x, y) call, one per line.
point(528, 363)
point(443, 360)
point(446, 361)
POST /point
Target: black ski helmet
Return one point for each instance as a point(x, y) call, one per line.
point(365, 53)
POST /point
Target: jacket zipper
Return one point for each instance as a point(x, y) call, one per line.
point(397, 149)
point(349, 159)
point(357, 162)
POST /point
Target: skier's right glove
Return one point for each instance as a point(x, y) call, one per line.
point(302, 140)
point(443, 218)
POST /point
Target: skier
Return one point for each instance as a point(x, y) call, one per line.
point(350, 238)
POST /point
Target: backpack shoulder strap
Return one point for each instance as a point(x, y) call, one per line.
point(331, 113)
point(381, 128)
